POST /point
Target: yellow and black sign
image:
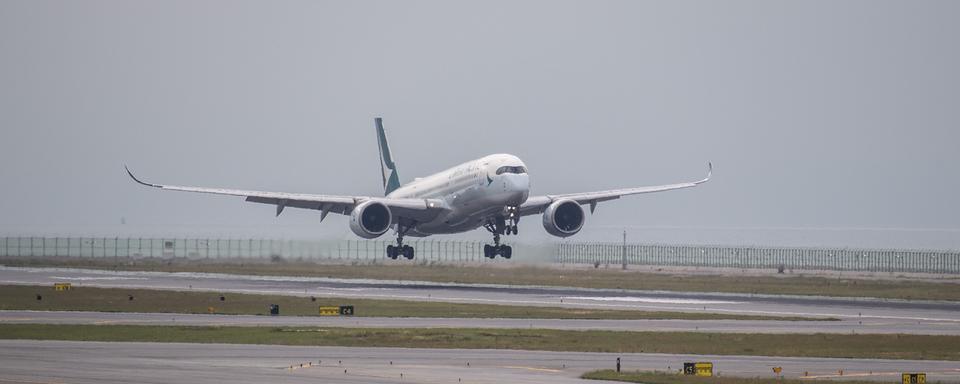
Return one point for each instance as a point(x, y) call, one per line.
point(704, 369)
point(777, 370)
point(914, 378)
point(343, 310)
point(329, 311)
point(699, 369)
point(61, 286)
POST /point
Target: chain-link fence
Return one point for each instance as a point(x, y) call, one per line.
point(457, 251)
point(450, 251)
point(826, 259)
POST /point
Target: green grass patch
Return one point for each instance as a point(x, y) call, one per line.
point(527, 275)
point(21, 297)
point(913, 347)
point(675, 378)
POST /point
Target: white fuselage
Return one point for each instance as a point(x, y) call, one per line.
point(475, 192)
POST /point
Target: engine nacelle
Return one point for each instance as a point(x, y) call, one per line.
point(370, 219)
point(563, 218)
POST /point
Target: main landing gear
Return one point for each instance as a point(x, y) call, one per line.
point(498, 226)
point(395, 251)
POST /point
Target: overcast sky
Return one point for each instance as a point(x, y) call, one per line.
point(828, 122)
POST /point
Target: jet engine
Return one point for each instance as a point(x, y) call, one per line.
point(370, 219)
point(563, 218)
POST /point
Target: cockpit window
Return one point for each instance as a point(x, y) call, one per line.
point(509, 169)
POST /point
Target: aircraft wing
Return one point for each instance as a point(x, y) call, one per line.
point(536, 204)
point(415, 209)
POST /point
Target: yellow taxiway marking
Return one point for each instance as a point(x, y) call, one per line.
point(534, 369)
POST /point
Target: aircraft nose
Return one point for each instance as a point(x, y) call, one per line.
point(518, 183)
point(518, 187)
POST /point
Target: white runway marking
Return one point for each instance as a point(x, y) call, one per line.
point(84, 278)
point(652, 300)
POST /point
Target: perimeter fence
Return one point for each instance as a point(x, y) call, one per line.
point(457, 251)
point(823, 259)
point(344, 250)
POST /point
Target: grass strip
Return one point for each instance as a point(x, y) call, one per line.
point(528, 275)
point(674, 378)
point(20, 297)
point(913, 347)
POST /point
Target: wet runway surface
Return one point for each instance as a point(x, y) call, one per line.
point(871, 326)
point(889, 312)
point(97, 362)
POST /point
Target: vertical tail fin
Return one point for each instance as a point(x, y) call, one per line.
point(388, 168)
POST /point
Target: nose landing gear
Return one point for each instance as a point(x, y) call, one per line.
point(513, 215)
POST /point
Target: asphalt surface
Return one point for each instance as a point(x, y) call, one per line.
point(95, 362)
point(30, 361)
point(872, 326)
point(890, 311)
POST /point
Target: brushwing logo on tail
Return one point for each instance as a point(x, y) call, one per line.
point(388, 168)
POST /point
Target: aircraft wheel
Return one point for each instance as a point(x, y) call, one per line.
point(392, 252)
point(506, 251)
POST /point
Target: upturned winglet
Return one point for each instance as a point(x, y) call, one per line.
point(138, 180)
point(709, 174)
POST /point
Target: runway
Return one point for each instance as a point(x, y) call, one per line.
point(870, 326)
point(97, 362)
point(890, 312)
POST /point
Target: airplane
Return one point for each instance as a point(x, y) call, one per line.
point(490, 192)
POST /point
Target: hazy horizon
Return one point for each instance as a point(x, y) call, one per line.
point(828, 123)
